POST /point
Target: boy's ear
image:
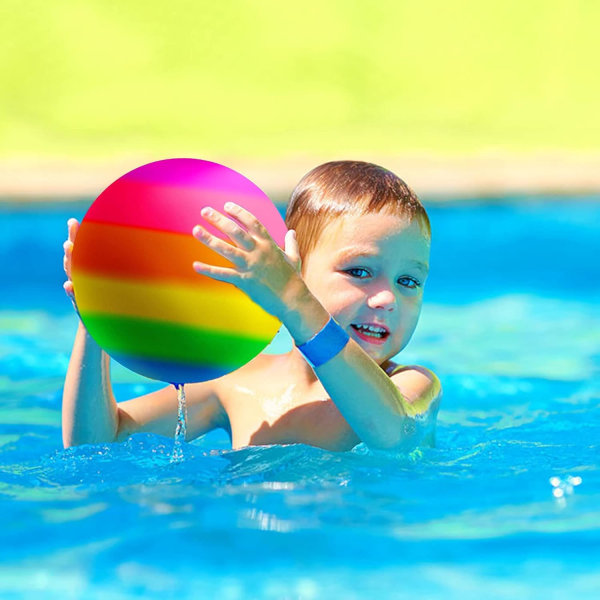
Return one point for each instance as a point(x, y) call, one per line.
point(292, 251)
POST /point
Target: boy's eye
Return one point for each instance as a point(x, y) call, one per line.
point(409, 282)
point(358, 272)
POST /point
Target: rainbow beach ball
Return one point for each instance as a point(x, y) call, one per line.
point(136, 290)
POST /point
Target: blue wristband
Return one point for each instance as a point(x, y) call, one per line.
point(325, 344)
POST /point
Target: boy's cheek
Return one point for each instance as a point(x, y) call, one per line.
point(343, 303)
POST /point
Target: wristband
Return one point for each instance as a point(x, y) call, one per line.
point(325, 344)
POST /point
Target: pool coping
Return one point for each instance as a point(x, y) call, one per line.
point(435, 178)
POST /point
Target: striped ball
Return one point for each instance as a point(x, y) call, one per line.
point(135, 287)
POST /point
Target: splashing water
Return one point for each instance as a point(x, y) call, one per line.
point(561, 488)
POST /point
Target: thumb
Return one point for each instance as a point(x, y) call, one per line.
point(291, 249)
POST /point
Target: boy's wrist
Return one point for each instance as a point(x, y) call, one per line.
point(303, 314)
point(90, 343)
point(325, 344)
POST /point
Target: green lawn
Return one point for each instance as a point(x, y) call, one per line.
point(265, 78)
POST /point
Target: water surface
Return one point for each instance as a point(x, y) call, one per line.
point(511, 325)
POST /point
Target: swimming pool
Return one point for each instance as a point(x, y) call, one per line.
point(512, 326)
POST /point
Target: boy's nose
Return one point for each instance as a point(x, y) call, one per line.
point(382, 299)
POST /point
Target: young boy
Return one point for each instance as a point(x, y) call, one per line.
point(349, 291)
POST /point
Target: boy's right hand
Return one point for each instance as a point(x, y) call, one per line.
point(73, 226)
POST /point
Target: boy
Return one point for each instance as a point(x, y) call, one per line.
point(349, 290)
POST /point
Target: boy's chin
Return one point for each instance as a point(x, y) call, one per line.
point(379, 357)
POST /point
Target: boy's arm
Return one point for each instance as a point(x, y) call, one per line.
point(90, 413)
point(157, 412)
point(379, 410)
point(89, 409)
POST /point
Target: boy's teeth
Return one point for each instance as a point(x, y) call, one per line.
point(371, 329)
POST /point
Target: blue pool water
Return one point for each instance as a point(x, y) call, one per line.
point(512, 326)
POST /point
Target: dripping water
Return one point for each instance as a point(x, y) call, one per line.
point(180, 430)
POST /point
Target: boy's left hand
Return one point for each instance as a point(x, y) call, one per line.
point(261, 269)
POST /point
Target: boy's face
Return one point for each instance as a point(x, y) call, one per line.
point(370, 270)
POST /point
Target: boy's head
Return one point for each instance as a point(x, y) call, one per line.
point(348, 188)
point(364, 239)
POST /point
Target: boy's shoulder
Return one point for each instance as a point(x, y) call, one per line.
point(420, 386)
point(393, 368)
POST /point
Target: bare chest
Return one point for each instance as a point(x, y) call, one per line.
point(286, 415)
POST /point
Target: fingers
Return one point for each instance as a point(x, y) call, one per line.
point(68, 287)
point(247, 219)
point(73, 228)
point(226, 250)
point(68, 248)
point(229, 227)
point(219, 273)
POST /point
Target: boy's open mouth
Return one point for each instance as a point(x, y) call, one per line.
point(370, 333)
